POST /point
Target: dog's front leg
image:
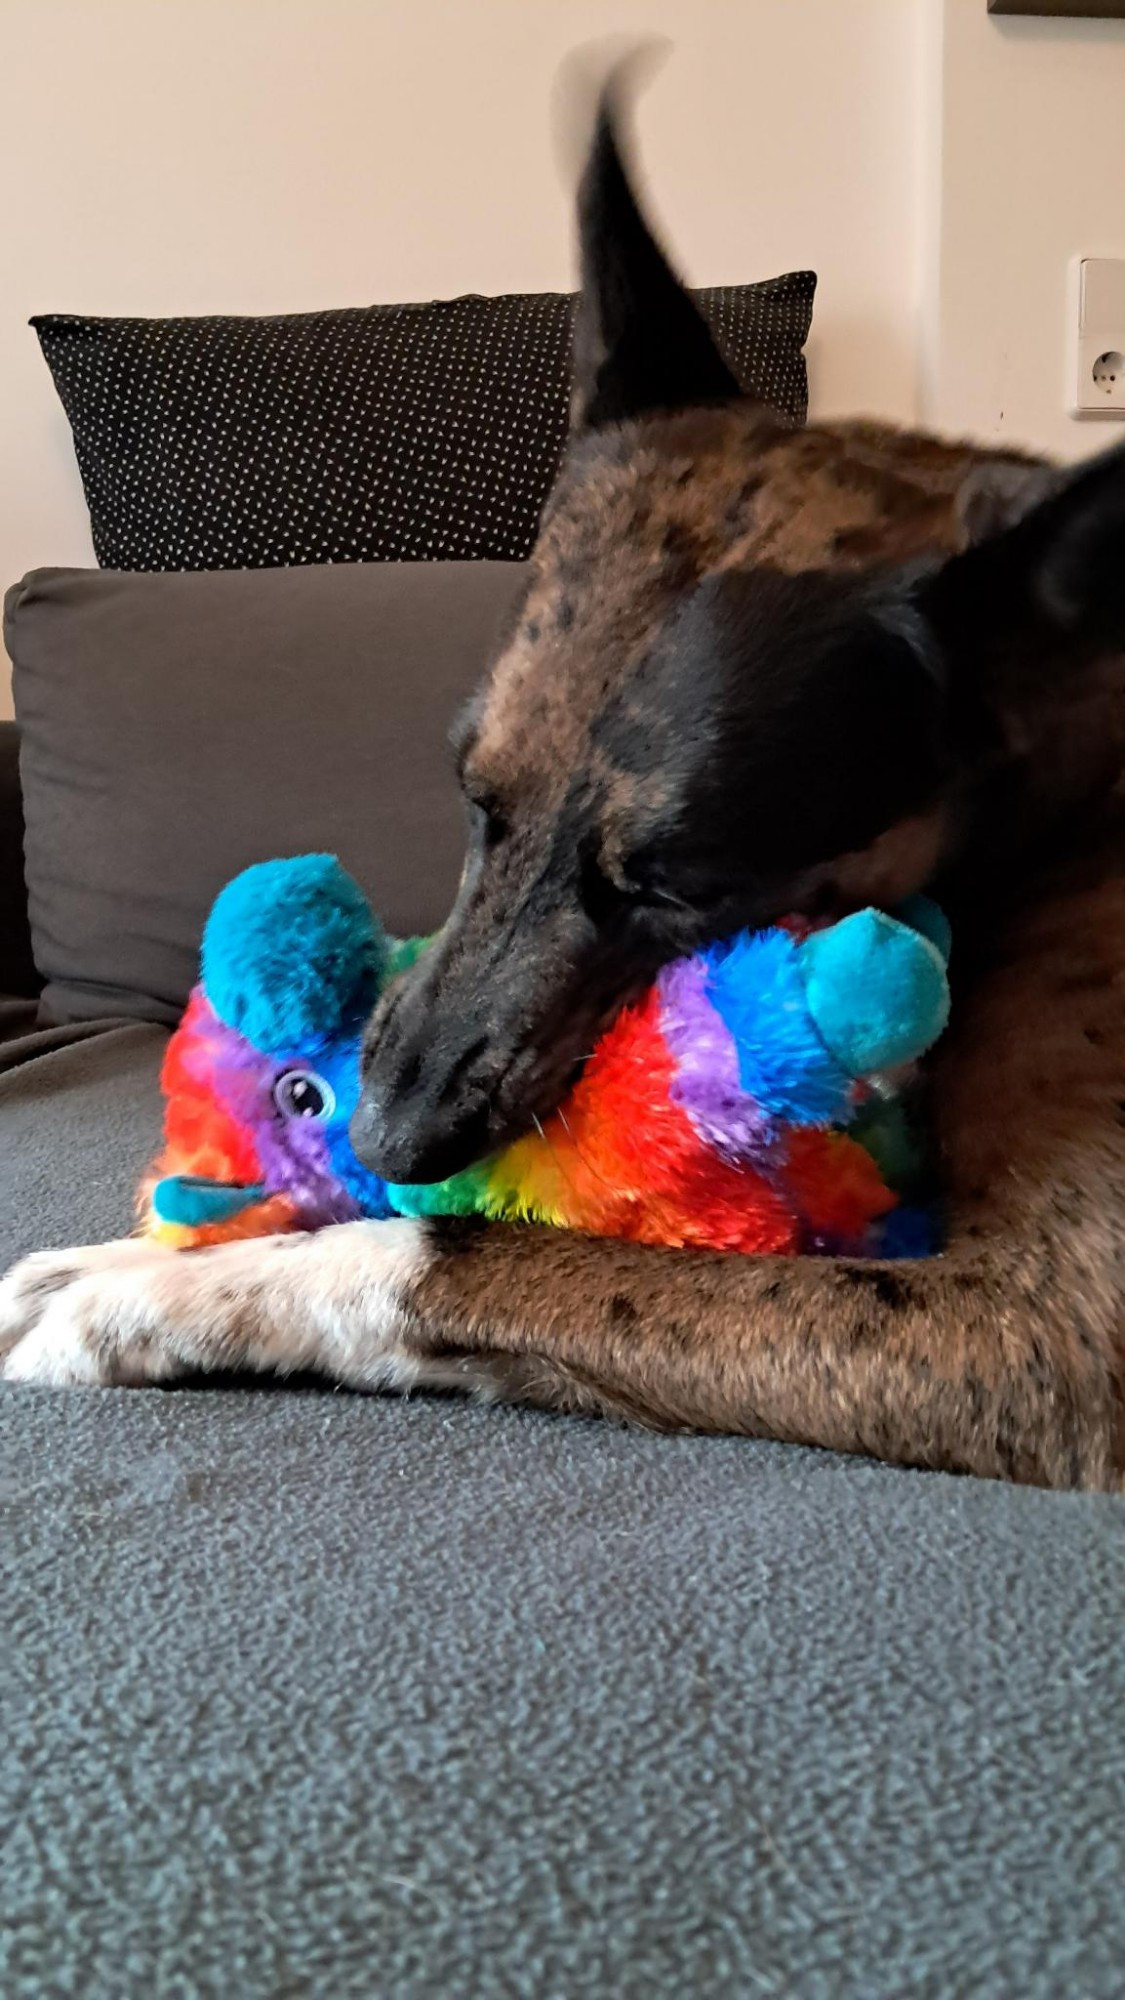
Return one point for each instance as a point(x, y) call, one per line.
point(950, 1363)
point(991, 1360)
point(133, 1312)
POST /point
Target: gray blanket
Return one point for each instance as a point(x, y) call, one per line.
point(316, 1695)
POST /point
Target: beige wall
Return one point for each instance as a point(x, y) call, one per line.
point(179, 156)
point(1028, 157)
point(936, 166)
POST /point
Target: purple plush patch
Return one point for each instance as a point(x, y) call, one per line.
point(294, 1152)
point(706, 1086)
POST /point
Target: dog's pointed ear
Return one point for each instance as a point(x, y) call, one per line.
point(640, 342)
point(1052, 576)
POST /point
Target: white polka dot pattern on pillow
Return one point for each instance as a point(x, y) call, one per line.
point(396, 433)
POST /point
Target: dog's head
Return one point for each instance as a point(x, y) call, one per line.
point(741, 680)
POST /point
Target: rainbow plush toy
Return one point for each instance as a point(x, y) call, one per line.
point(742, 1104)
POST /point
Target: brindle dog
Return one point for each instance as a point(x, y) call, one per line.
point(753, 670)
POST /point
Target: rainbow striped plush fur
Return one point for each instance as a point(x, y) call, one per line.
point(742, 1104)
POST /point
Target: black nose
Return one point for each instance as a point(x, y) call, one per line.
point(406, 1141)
point(428, 1079)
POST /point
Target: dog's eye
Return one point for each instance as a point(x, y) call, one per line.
point(606, 898)
point(489, 822)
point(656, 895)
point(301, 1093)
point(602, 900)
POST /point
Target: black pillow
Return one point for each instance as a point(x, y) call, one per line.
point(381, 433)
point(17, 972)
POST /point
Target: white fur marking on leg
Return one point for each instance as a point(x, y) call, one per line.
point(55, 1357)
point(336, 1301)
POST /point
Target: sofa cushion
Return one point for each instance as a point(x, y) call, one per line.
point(322, 1694)
point(381, 433)
point(175, 728)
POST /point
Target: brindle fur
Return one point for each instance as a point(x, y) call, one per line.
point(1007, 1355)
point(1004, 1357)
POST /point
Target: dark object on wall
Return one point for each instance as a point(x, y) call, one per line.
point(1076, 10)
point(17, 972)
point(383, 433)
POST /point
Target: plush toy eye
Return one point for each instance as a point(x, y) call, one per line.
point(301, 1093)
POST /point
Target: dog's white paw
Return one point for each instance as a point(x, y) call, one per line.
point(29, 1288)
point(87, 1315)
point(134, 1312)
point(56, 1353)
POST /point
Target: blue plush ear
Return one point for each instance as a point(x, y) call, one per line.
point(292, 953)
point(877, 990)
point(923, 914)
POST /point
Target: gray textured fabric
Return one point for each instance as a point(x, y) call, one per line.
point(176, 728)
point(17, 1018)
point(79, 1118)
point(313, 1695)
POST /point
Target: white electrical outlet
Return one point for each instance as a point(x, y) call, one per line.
point(1097, 348)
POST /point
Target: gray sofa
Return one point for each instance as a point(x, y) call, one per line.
point(311, 1694)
